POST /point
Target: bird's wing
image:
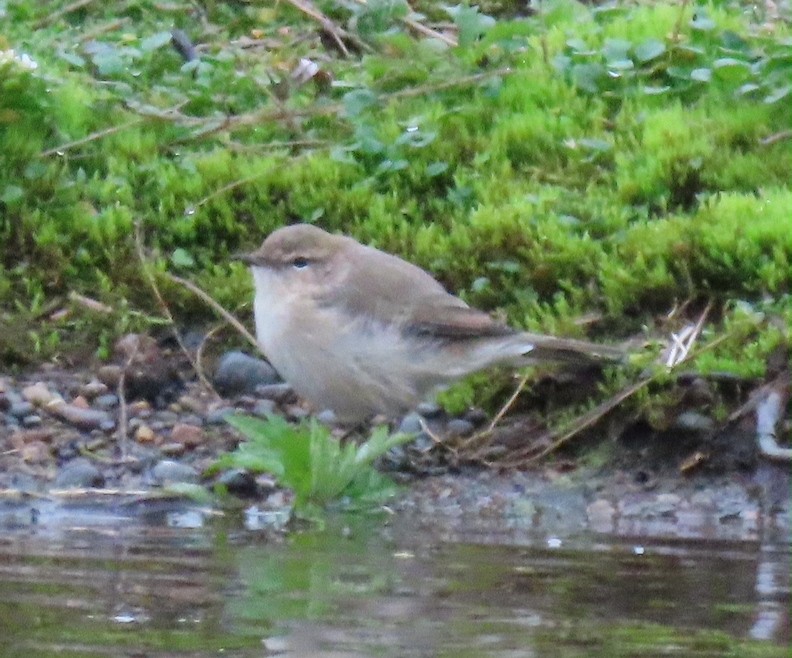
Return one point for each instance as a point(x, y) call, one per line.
point(385, 288)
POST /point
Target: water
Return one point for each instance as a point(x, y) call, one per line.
point(156, 580)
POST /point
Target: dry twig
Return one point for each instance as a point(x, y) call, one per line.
point(166, 310)
point(213, 304)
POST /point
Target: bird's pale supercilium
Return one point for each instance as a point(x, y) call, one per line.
point(363, 332)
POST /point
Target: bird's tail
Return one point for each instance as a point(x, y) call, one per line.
point(570, 351)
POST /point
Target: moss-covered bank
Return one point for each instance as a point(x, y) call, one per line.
point(572, 162)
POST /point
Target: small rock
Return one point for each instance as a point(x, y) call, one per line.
point(239, 482)
point(81, 402)
point(33, 420)
point(238, 373)
point(476, 416)
point(79, 474)
point(410, 424)
point(168, 472)
point(20, 409)
point(459, 427)
point(429, 409)
point(38, 394)
point(173, 449)
point(693, 421)
point(218, 416)
point(144, 434)
point(280, 393)
point(86, 419)
point(296, 412)
point(107, 401)
point(189, 436)
point(140, 409)
point(189, 403)
point(110, 375)
point(327, 417)
point(263, 408)
point(18, 439)
point(93, 389)
point(35, 452)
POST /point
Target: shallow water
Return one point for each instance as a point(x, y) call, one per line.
point(159, 580)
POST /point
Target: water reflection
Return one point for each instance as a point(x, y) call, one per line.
point(180, 582)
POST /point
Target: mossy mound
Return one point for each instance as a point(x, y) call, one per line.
point(610, 160)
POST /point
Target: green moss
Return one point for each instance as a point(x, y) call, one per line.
point(610, 160)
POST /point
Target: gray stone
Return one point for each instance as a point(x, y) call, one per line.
point(85, 419)
point(169, 472)
point(264, 408)
point(410, 424)
point(93, 389)
point(239, 373)
point(20, 409)
point(33, 420)
point(693, 421)
point(79, 474)
point(327, 417)
point(239, 482)
point(107, 401)
point(459, 427)
point(218, 416)
point(429, 409)
point(279, 393)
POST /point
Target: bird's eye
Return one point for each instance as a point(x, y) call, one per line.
point(299, 263)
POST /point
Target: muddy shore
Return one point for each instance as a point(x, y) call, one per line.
point(137, 427)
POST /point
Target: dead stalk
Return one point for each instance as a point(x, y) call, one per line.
point(166, 310)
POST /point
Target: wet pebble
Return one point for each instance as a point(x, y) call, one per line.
point(106, 402)
point(20, 409)
point(429, 409)
point(280, 393)
point(189, 436)
point(218, 416)
point(168, 472)
point(144, 434)
point(33, 420)
point(38, 394)
point(173, 449)
point(327, 417)
point(239, 482)
point(457, 427)
point(79, 473)
point(86, 419)
point(693, 421)
point(35, 452)
point(410, 424)
point(238, 373)
point(93, 389)
point(263, 408)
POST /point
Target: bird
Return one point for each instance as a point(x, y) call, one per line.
point(363, 332)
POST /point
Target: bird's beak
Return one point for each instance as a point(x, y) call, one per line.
point(249, 258)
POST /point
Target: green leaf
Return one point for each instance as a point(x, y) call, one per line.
point(470, 23)
point(182, 258)
point(649, 50)
point(12, 194)
point(701, 75)
point(358, 101)
point(702, 22)
point(436, 168)
point(778, 94)
point(155, 41)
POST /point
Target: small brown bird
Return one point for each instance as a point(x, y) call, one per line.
point(362, 332)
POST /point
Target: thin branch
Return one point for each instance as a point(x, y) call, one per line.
point(155, 289)
point(776, 137)
point(213, 304)
point(99, 134)
point(68, 9)
point(338, 34)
